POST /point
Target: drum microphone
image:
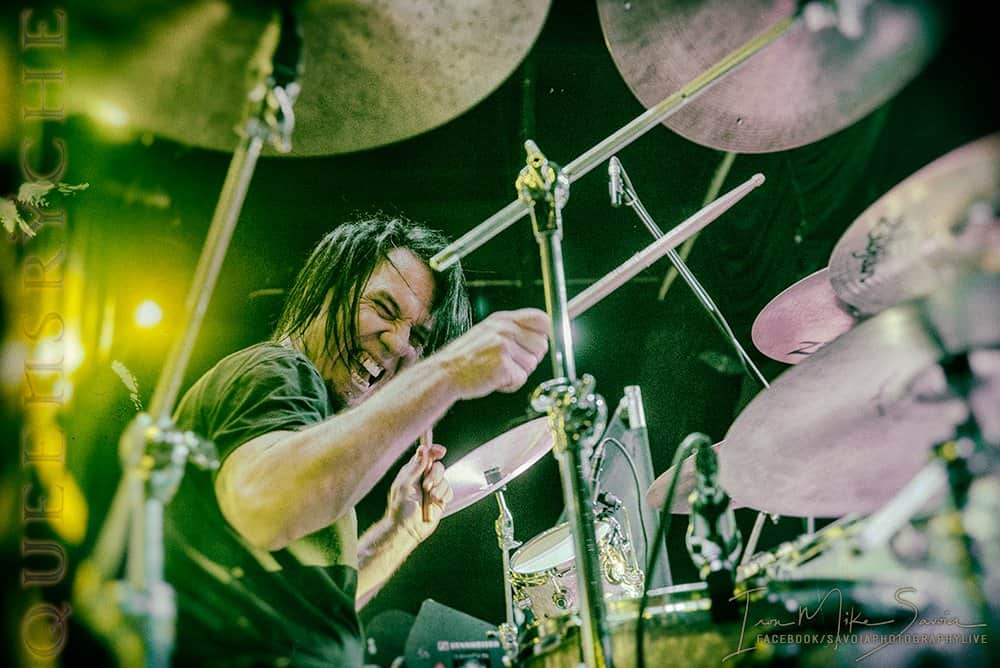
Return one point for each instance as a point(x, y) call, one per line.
point(713, 539)
point(615, 186)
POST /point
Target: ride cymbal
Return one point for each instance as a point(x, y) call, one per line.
point(801, 88)
point(847, 427)
point(924, 232)
point(374, 72)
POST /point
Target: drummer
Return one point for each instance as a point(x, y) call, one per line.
point(264, 553)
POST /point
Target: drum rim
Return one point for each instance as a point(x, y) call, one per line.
point(604, 529)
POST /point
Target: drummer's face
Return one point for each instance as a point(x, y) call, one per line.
point(393, 326)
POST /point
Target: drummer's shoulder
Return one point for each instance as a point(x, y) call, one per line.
point(268, 362)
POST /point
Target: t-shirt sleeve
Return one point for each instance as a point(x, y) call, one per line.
point(278, 393)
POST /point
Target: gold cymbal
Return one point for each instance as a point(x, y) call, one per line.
point(918, 236)
point(801, 319)
point(375, 72)
point(512, 452)
point(849, 426)
point(803, 87)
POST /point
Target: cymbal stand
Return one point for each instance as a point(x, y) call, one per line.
point(153, 453)
point(963, 458)
point(505, 539)
point(570, 403)
point(630, 197)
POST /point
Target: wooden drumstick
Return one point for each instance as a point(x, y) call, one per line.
point(426, 440)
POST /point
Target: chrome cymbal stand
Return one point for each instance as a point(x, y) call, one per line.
point(623, 192)
point(153, 453)
point(505, 539)
point(570, 403)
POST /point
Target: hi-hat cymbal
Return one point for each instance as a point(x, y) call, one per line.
point(910, 241)
point(802, 319)
point(657, 492)
point(801, 88)
point(375, 72)
point(847, 427)
point(512, 452)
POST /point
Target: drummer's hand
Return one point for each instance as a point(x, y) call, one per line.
point(422, 472)
point(497, 354)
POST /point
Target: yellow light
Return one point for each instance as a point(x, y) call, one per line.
point(148, 314)
point(71, 523)
point(110, 114)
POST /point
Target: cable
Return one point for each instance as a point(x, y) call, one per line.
point(638, 489)
point(683, 452)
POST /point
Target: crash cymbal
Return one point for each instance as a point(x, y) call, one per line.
point(847, 427)
point(513, 452)
point(916, 237)
point(801, 88)
point(375, 72)
point(657, 492)
point(801, 320)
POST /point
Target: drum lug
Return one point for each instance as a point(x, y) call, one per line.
point(561, 597)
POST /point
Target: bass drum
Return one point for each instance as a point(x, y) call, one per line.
point(543, 574)
point(797, 623)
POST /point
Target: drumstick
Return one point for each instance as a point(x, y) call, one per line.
point(426, 440)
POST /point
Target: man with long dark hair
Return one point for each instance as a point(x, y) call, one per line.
point(264, 554)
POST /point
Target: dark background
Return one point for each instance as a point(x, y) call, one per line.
point(139, 229)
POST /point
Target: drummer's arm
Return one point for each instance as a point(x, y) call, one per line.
point(282, 486)
point(381, 551)
point(419, 486)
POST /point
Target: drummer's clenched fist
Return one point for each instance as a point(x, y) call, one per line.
point(497, 354)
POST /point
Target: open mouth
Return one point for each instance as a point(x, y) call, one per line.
point(365, 371)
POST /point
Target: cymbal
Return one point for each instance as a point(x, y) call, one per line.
point(847, 427)
point(657, 492)
point(908, 242)
point(513, 452)
point(801, 88)
point(375, 72)
point(803, 318)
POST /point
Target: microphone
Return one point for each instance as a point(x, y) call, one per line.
point(615, 186)
point(600, 451)
point(713, 539)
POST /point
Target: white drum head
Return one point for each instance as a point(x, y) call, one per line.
point(550, 549)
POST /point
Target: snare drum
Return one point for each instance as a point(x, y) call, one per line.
point(543, 574)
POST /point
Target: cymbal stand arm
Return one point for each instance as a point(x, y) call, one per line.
point(149, 483)
point(631, 199)
point(621, 138)
point(570, 403)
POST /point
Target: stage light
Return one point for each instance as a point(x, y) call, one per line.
point(110, 114)
point(148, 314)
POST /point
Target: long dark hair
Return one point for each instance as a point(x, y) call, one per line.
point(341, 264)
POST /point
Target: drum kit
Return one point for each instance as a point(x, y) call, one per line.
point(888, 418)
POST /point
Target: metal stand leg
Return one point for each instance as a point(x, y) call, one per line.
point(153, 453)
point(569, 403)
point(957, 457)
point(505, 539)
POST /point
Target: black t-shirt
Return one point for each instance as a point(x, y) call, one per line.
point(239, 605)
